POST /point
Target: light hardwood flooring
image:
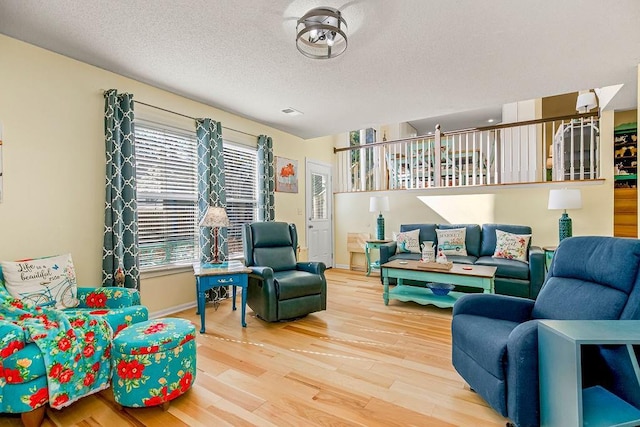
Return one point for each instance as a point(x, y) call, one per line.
point(359, 363)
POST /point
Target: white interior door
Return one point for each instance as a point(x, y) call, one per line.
point(319, 196)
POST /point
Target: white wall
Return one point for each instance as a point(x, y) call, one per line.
point(518, 150)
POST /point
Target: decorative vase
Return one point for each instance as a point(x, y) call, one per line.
point(428, 252)
point(380, 227)
point(564, 227)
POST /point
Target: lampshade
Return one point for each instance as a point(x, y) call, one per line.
point(586, 101)
point(215, 217)
point(565, 198)
point(321, 33)
point(378, 204)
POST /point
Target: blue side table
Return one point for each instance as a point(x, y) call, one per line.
point(549, 251)
point(373, 244)
point(209, 276)
point(563, 400)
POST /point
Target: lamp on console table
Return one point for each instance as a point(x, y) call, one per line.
point(565, 198)
point(215, 217)
point(379, 204)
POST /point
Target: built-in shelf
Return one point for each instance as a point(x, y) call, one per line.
point(625, 154)
point(627, 177)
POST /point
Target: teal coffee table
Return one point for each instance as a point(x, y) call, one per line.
point(474, 276)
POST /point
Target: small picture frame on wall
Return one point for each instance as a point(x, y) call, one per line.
point(286, 175)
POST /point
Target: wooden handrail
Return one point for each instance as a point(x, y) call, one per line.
point(531, 122)
point(493, 155)
point(375, 144)
point(477, 129)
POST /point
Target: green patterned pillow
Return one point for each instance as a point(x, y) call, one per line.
point(407, 242)
point(512, 246)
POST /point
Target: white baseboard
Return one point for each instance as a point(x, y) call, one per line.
point(343, 266)
point(167, 311)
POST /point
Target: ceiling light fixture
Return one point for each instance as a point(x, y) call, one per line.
point(321, 33)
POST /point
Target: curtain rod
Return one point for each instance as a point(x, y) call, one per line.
point(188, 117)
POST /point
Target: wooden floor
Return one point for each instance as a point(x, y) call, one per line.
point(359, 363)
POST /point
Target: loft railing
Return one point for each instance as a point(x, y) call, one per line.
point(556, 149)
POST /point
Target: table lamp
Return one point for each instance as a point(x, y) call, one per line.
point(586, 102)
point(215, 217)
point(379, 204)
point(565, 199)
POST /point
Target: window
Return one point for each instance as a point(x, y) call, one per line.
point(362, 161)
point(167, 180)
point(241, 183)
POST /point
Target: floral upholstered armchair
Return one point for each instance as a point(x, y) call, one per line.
point(57, 356)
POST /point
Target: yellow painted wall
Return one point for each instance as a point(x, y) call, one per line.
point(622, 117)
point(509, 204)
point(51, 110)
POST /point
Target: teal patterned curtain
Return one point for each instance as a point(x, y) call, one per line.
point(120, 251)
point(266, 179)
point(211, 188)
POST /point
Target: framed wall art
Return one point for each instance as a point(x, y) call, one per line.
point(286, 175)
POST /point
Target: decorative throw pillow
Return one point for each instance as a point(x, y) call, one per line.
point(451, 241)
point(407, 241)
point(511, 246)
point(42, 281)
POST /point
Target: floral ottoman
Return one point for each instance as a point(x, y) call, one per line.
point(153, 362)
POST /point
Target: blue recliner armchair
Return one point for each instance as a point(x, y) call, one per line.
point(280, 288)
point(495, 337)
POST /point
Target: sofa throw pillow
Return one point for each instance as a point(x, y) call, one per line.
point(512, 246)
point(407, 242)
point(452, 241)
point(42, 281)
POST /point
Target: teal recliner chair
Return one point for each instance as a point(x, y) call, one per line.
point(280, 288)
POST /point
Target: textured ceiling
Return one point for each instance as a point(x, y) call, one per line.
point(407, 59)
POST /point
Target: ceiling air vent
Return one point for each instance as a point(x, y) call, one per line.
point(291, 111)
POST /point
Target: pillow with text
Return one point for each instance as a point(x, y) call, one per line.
point(512, 246)
point(42, 281)
point(407, 242)
point(451, 241)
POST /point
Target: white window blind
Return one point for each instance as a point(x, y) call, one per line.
point(166, 171)
point(241, 183)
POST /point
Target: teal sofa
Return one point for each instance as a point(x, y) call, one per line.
point(513, 277)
